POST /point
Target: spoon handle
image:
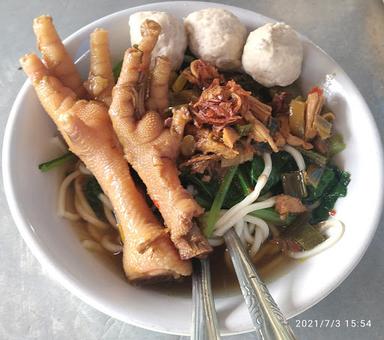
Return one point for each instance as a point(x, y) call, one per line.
point(204, 319)
point(266, 316)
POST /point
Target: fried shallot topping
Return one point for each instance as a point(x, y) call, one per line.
point(220, 105)
point(201, 163)
point(201, 73)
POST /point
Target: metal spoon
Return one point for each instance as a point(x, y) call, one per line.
point(204, 318)
point(266, 316)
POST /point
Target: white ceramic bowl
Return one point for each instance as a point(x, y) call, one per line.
point(32, 197)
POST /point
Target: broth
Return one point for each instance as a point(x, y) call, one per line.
point(223, 277)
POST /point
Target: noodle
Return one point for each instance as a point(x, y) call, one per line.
point(220, 231)
point(114, 248)
point(109, 216)
point(61, 210)
point(92, 245)
point(239, 229)
point(108, 210)
point(261, 232)
point(81, 197)
point(248, 234)
point(261, 181)
point(239, 226)
point(103, 198)
point(84, 209)
point(95, 232)
point(251, 230)
point(325, 227)
point(102, 233)
point(258, 240)
point(261, 224)
point(215, 241)
point(84, 170)
point(255, 231)
point(297, 156)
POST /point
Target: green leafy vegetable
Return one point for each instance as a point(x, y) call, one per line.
point(249, 173)
point(316, 191)
point(272, 216)
point(240, 187)
point(336, 188)
point(203, 202)
point(243, 79)
point(117, 69)
point(273, 179)
point(54, 163)
point(314, 157)
point(235, 194)
point(207, 189)
point(314, 174)
point(335, 144)
point(92, 190)
point(213, 214)
point(281, 162)
point(244, 183)
point(257, 168)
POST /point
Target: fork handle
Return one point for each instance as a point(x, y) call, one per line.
point(204, 319)
point(266, 316)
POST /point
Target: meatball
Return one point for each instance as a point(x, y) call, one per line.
point(273, 55)
point(217, 36)
point(172, 40)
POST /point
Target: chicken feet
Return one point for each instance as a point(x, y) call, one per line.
point(85, 125)
point(149, 146)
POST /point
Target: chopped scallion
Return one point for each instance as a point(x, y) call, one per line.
point(56, 162)
point(213, 214)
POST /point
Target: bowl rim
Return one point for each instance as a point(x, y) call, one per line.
point(69, 282)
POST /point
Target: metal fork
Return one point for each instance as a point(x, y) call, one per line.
point(204, 318)
point(268, 320)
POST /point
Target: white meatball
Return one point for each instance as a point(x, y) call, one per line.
point(172, 39)
point(217, 36)
point(273, 55)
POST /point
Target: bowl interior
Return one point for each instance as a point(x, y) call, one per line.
point(32, 197)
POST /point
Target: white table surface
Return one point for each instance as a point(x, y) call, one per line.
point(34, 306)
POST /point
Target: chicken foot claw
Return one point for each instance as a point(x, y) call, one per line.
point(148, 253)
point(150, 147)
point(100, 80)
